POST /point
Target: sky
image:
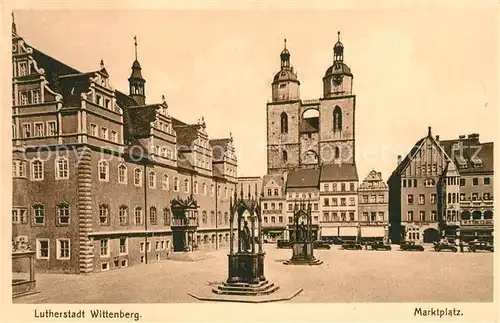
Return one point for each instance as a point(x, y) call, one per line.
point(412, 68)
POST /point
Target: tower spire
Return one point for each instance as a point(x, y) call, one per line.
point(135, 44)
point(14, 28)
point(338, 36)
point(285, 43)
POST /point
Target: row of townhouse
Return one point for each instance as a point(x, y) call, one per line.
point(95, 171)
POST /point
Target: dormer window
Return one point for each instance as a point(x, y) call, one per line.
point(23, 68)
point(476, 161)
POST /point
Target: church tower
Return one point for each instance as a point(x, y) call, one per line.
point(136, 81)
point(337, 111)
point(283, 114)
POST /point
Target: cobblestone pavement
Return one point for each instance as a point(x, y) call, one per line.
point(345, 276)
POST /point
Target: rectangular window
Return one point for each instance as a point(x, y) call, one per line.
point(38, 215)
point(98, 99)
point(276, 192)
point(315, 206)
point(326, 187)
point(104, 250)
point(381, 199)
point(381, 216)
point(273, 206)
point(148, 246)
point(63, 249)
point(269, 191)
point(475, 196)
point(410, 216)
point(273, 219)
point(351, 186)
point(334, 201)
point(280, 219)
point(42, 249)
point(404, 182)
point(373, 198)
point(433, 199)
point(104, 133)
point(123, 246)
point(93, 130)
point(475, 181)
point(290, 207)
point(342, 202)
point(342, 187)
point(51, 128)
point(410, 182)
point(351, 216)
point(142, 246)
point(114, 136)
point(352, 201)
point(280, 206)
point(365, 198)
point(26, 130)
point(23, 68)
point(462, 182)
point(35, 96)
point(373, 216)
point(326, 201)
point(433, 216)
point(24, 98)
point(15, 216)
point(124, 263)
point(486, 196)
point(410, 199)
point(105, 266)
point(421, 199)
point(107, 103)
point(422, 216)
point(39, 129)
point(486, 181)
point(415, 183)
point(462, 196)
point(19, 216)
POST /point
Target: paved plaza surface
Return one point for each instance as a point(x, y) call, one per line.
point(345, 276)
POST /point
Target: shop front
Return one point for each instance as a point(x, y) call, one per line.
point(373, 233)
point(348, 233)
point(271, 235)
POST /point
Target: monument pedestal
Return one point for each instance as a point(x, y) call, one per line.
point(303, 254)
point(246, 276)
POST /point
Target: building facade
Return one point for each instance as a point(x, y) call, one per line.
point(95, 170)
point(374, 207)
point(429, 188)
point(475, 165)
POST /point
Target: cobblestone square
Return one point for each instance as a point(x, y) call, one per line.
point(345, 276)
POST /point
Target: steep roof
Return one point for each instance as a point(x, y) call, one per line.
point(219, 147)
point(309, 125)
point(302, 178)
point(53, 68)
point(339, 172)
point(186, 134)
point(471, 147)
point(183, 162)
point(278, 179)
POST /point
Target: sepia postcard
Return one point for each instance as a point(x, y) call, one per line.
point(183, 161)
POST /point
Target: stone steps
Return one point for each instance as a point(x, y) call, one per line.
point(309, 261)
point(241, 289)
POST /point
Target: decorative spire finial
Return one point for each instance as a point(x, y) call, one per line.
point(135, 44)
point(285, 43)
point(14, 28)
point(102, 63)
point(338, 35)
point(231, 136)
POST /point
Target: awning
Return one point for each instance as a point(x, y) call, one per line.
point(372, 232)
point(348, 232)
point(329, 232)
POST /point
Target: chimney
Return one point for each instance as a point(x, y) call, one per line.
point(437, 137)
point(429, 133)
point(461, 137)
point(399, 159)
point(473, 136)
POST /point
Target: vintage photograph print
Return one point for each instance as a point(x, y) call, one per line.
point(253, 156)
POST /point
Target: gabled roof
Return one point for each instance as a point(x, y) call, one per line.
point(409, 157)
point(278, 179)
point(302, 178)
point(219, 147)
point(186, 134)
point(339, 172)
point(53, 68)
point(183, 162)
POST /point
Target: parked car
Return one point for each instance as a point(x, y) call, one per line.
point(379, 245)
point(411, 246)
point(480, 245)
point(351, 245)
point(441, 246)
point(282, 244)
point(337, 241)
point(321, 245)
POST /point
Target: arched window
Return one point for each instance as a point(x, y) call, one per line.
point(337, 152)
point(285, 156)
point(176, 184)
point(226, 218)
point(186, 186)
point(204, 217)
point(212, 217)
point(103, 167)
point(123, 215)
point(212, 190)
point(63, 217)
point(104, 214)
point(195, 187)
point(36, 170)
point(165, 184)
point(166, 216)
point(337, 119)
point(284, 122)
point(122, 174)
point(138, 215)
point(153, 218)
point(204, 188)
point(137, 177)
point(62, 168)
point(152, 179)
